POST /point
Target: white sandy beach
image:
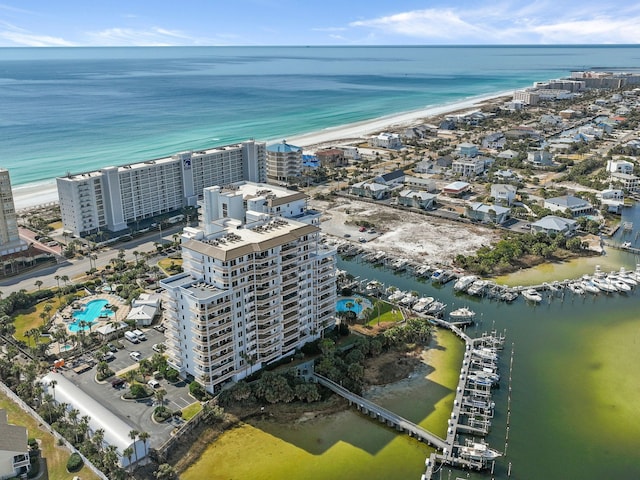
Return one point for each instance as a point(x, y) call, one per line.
point(34, 195)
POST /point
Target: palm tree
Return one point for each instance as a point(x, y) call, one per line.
point(38, 283)
point(53, 384)
point(57, 277)
point(144, 436)
point(128, 452)
point(98, 439)
point(133, 435)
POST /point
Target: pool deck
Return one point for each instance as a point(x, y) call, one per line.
point(65, 316)
point(365, 302)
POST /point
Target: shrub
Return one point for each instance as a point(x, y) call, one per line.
point(137, 391)
point(197, 390)
point(171, 375)
point(74, 463)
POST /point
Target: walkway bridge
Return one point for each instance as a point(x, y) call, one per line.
point(382, 414)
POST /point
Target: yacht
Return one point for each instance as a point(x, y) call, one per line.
point(436, 308)
point(588, 286)
point(576, 288)
point(603, 284)
point(477, 287)
point(421, 305)
point(437, 275)
point(626, 275)
point(462, 314)
point(408, 300)
point(399, 265)
point(532, 295)
point(619, 284)
point(465, 282)
point(374, 287)
point(485, 354)
point(623, 277)
point(397, 296)
point(478, 451)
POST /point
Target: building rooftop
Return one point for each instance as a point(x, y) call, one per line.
point(283, 147)
point(13, 438)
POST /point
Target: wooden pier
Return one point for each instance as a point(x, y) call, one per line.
point(383, 415)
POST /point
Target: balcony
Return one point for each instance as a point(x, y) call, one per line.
point(20, 461)
point(176, 365)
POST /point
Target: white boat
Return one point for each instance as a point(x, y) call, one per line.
point(485, 354)
point(532, 295)
point(625, 274)
point(437, 275)
point(477, 287)
point(624, 277)
point(604, 285)
point(422, 304)
point(436, 308)
point(408, 300)
point(399, 264)
point(588, 286)
point(478, 451)
point(619, 284)
point(461, 314)
point(576, 288)
point(397, 295)
point(374, 287)
point(465, 282)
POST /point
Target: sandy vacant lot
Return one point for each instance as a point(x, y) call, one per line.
point(420, 238)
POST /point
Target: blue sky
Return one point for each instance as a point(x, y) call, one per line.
point(315, 22)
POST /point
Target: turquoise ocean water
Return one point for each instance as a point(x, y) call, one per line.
point(78, 109)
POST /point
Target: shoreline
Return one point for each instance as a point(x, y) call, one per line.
point(33, 195)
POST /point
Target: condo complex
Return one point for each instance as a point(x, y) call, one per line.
point(257, 284)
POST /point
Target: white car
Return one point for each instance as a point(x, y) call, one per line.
point(157, 347)
point(135, 356)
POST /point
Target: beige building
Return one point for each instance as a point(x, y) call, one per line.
point(284, 162)
point(257, 284)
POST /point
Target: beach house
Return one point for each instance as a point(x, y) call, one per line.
point(555, 225)
point(14, 451)
point(373, 190)
point(503, 194)
point(386, 140)
point(486, 213)
point(568, 203)
point(416, 199)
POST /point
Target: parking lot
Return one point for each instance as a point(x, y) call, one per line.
point(136, 413)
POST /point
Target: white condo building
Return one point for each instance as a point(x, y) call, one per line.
point(10, 241)
point(114, 198)
point(257, 284)
point(284, 162)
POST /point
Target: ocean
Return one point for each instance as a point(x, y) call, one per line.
point(79, 109)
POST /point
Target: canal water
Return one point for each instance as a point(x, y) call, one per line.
point(575, 406)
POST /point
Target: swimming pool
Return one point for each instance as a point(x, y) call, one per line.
point(89, 313)
point(341, 305)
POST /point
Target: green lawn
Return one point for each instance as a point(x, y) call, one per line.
point(388, 313)
point(165, 265)
point(56, 456)
point(189, 411)
point(25, 320)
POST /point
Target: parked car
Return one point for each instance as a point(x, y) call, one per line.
point(112, 348)
point(140, 334)
point(159, 328)
point(153, 383)
point(136, 356)
point(362, 240)
point(362, 229)
point(117, 382)
point(158, 347)
point(108, 357)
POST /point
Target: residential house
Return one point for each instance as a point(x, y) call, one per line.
point(627, 181)
point(14, 450)
point(467, 150)
point(555, 225)
point(332, 157)
point(486, 213)
point(447, 124)
point(503, 194)
point(494, 141)
point(612, 199)
point(468, 167)
point(619, 166)
point(427, 184)
point(575, 205)
point(386, 140)
point(540, 158)
point(416, 199)
point(373, 190)
point(456, 189)
point(549, 120)
point(391, 179)
point(508, 154)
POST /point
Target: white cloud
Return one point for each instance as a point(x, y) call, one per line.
point(153, 37)
point(511, 22)
point(14, 36)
